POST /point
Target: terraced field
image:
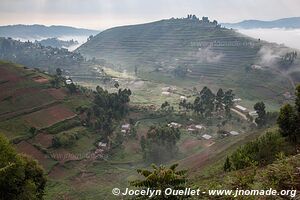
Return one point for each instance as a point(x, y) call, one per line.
point(214, 56)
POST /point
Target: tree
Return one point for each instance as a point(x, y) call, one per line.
point(227, 165)
point(260, 109)
point(20, 176)
point(287, 122)
point(167, 107)
point(143, 142)
point(55, 82)
point(72, 88)
point(204, 103)
point(32, 130)
point(219, 100)
point(162, 178)
point(58, 72)
point(160, 143)
point(228, 101)
point(116, 85)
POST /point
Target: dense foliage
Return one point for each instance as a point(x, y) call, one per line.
point(206, 102)
point(107, 107)
point(264, 150)
point(161, 178)
point(289, 119)
point(160, 143)
point(20, 176)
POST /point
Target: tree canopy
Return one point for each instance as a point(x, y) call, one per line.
point(20, 176)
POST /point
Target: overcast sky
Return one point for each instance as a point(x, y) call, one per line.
point(101, 14)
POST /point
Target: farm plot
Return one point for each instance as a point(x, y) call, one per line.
point(43, 139)
point(49, 116)
point(25, 99)
point(44, 160)
point(58, 94)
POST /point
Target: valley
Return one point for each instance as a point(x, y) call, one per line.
point(179, 90)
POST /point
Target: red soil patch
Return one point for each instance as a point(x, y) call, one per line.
point(23, 91)
point(58, 94)
point(40, 79)
point(189, 144)
point(49, 116)
point(6, 74)
point(196, 161)
point(26, 148)
point(43, 139)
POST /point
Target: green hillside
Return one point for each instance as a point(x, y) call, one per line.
point(191, 52)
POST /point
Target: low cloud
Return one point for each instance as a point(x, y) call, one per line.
point(207, 55)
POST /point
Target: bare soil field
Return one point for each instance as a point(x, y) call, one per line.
point(29, 149)
point(49, 116)
point(43, 139)
point(58, 94)
point(40, 79)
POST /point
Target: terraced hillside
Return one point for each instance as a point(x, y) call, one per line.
point(30, 107)
point(48, 124)
point(203, 53)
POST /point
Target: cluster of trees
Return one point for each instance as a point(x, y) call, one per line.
point(207, 102)
point(20, 176)
point(166, 106)
point(159, 144)
point(106, 108)
point(261, 151)
point(56, 43)
point(289, 119)
point(288, 59)
point(65, 139)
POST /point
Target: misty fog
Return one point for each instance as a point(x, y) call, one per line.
point(288, 37)
point(79, 38)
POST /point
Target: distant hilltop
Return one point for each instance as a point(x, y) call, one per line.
point(41, 31)
point(292, 23)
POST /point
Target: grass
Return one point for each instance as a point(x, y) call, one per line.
point(14, 128)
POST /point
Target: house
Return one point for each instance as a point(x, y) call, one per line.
point(174, 125)
point(256, 67)
point(125, 128)
point(287, 95)
point(191, 130)
point(166, 93)
point(123, 131)
point(240, 108)
point(253, 113)
point(102, 145)
point(206, 136)
point(200, 127)
point(237, 100)
point(234, 133)
point(183, 98)
point(69, 81)
point(166, 89)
